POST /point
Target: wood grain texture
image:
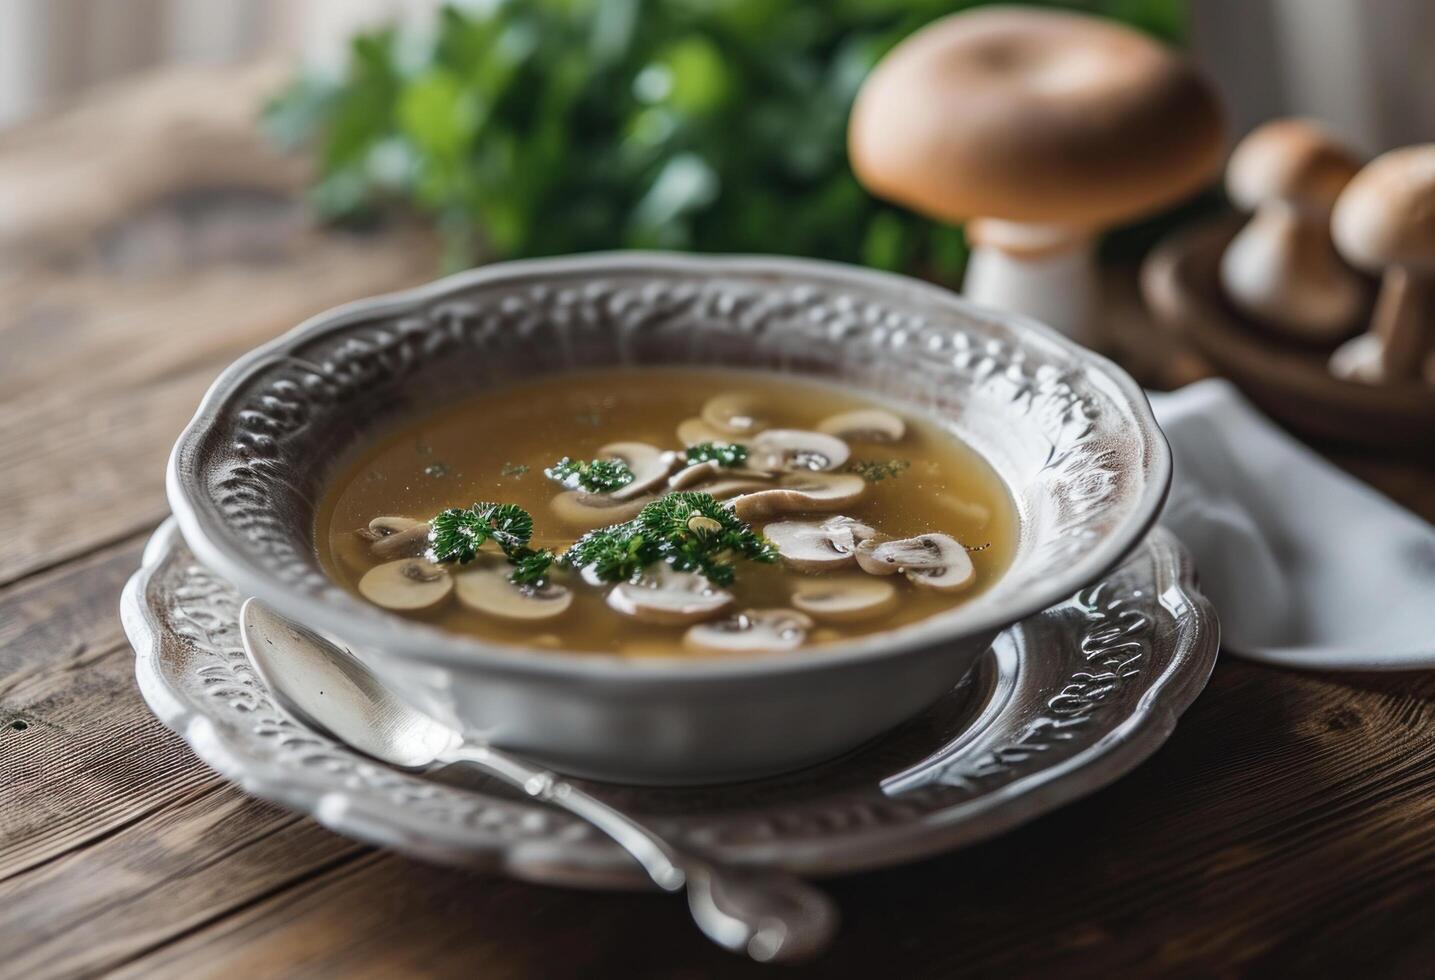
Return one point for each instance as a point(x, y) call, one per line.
point(1284, 829)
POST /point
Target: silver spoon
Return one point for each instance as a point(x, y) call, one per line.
point(768, 915)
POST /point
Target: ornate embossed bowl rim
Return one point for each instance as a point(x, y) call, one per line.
point(307, 596)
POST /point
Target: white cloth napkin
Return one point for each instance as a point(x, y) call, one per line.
point(1307, 566)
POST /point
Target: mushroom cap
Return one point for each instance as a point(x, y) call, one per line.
point(406, 585)
point(798, 493)
point(1034, 116)
point(1294, 160)
point(845, 598)
point(870, 424)
point(1386, 214)
point(487, 589)
point(796, 450)
point(931, 561)
point(735, 413)
point(662, 594)
point(815, 546)
point(580, 509)
point(649, 464)
point(751, 631)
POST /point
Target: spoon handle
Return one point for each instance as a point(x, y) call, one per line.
point(770, 916)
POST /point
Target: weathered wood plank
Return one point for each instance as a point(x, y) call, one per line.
point(80, 754)
point(1275, 819)
point(196, 860)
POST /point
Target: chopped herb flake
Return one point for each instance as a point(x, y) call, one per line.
point(877, 470)
point(514, 469)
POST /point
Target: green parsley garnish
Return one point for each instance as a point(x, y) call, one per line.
point(513, 469)
point(726, 454)
point(595, 476)
point(691, 531)
point(877, 470)
point(457, 534)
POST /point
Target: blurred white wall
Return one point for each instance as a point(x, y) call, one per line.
point(1367, 67)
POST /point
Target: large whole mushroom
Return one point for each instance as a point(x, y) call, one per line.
point(1039, 128)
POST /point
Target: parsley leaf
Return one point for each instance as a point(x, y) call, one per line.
point(457, 534)
point(691, 531)
point(727, 454)
point(595, 475)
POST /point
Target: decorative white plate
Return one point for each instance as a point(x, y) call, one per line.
point(1063, 704)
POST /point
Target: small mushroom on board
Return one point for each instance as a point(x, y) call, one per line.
point(816, 546)
point(662, 594)
point(930, 561)
point(1384, 222)
point(406, 585)
point(798, 493)
point(844, 598)
point(1040, 128)
point(865, 424)
point(751, 631)
point(1282, 267)
point(487, 589)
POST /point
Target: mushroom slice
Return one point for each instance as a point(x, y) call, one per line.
point(932, 561)
point(727, 489)
point(798, 493)
point(692, 475)
point(486, 589)
point(693, 431)
point(795, 450)
point(580, 509)
point(751, 631)
point(845, 598)
point(650, 466)
point(736, 413)
point(869, 424)
point(397, 537)
point(406, 585)
point(662, 594)
point(818, 546)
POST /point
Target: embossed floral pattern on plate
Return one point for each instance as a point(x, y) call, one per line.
point(1065, 702)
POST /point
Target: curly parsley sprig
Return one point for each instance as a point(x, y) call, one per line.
point(594, 475)
point(691, 531)
point(457, 534)
point(725, 454)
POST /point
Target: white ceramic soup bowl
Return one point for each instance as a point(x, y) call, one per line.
point(1070, 435)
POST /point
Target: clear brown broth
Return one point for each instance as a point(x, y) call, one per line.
point(495, 446)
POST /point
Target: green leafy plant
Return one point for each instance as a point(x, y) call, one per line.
point(538, 127)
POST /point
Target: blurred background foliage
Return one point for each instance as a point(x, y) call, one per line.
point(539, 127)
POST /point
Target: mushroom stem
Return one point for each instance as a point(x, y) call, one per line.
point(1403, 323)
point(1044, 271)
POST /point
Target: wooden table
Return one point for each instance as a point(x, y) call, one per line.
point(146, 238)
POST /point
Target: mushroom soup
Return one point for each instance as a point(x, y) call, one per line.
point(647, 512)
